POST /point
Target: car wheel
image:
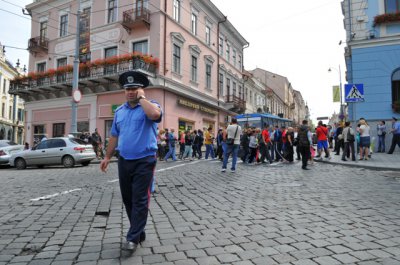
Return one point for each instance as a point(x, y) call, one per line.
point(20, 163)
point(68, 161)
point(85, 163)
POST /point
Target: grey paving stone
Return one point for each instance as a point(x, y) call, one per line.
point(326, 260)
point(304, 262)
point(151, 259)
point(248, 254)
point(175, 256)
point(338, 249)
point(164, 249)
point(227, 258)
point(345, 258)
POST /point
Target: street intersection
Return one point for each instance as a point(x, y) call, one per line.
point(275, 214)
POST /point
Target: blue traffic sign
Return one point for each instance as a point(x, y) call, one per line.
point(354, 92)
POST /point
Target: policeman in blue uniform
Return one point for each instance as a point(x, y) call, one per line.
point(133, 132)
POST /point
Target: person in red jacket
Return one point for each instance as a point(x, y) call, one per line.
point(322, 135)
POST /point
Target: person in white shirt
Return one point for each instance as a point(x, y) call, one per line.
point(233, 133)
point(365, 139)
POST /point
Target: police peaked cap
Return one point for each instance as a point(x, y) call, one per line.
point(133, 79)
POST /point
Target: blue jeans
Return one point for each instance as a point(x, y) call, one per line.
point(171, 152)
point(381, 143)
point(210, 150)
point(234, 150)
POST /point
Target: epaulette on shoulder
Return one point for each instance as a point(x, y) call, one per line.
point(119, 108)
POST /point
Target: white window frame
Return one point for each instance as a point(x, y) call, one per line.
point(140, 41)
point(221, 45)
point(178, 40)
point(63, 32)
point(177, 10)
point(234, 57)
point(193, 23)
point(209, 61)
point(221, 84)
point(228, 51)
point(208, 35)
point(115, 11)
point(194, 65)
point(176, 64)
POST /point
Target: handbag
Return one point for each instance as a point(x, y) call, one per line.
point(350, 137)
point(231, 141)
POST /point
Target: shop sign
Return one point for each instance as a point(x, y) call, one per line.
point(194, 105)
point(114, 107)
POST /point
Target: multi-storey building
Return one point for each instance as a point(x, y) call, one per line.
point(299, 111)
point(255, 96)
point(11, 107)
point(195, 63)
point(281, 94)
point(372, 57)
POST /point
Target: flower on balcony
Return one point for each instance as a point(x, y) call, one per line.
point(114, 60)
point(84, 66)
point(98, 62)
point(387, 18)
point(32, 76)
point(49, 73)
point(125, 57)
point(111, 60)
point(155, 62)
point(64, 69)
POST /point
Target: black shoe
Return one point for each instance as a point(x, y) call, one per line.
point(305, 168)
point(344, 159)
point(389, 153)
point(142, 237)
point(297, 158)
point(131, 246)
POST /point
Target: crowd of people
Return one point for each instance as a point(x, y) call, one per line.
point(273, 143)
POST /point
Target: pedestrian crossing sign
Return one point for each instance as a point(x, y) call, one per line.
point(354, 92)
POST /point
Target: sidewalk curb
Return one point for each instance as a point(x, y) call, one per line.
point(371, 167)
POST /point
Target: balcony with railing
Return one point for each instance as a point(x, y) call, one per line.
point(235, 104)
point(97, 76)
point(135, 18)
point(38, 45)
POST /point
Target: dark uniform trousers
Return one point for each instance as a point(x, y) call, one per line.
point(135, 178)
point(305, 155)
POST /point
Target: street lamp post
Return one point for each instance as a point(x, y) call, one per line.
point(341, 115)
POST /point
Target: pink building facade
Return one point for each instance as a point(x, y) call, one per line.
point(195, 66)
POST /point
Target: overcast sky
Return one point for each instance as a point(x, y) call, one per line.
point(296, 39)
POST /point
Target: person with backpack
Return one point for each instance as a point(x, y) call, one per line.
point(349, 139)
point(304, 142)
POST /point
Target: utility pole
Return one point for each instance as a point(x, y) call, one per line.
point(75, 78)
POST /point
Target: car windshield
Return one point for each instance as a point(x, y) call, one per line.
point(78, 141)
point(6, 143)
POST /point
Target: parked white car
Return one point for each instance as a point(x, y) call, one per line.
point(55, 151)
point(7, 148)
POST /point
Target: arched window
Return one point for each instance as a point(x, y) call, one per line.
point(396, 87)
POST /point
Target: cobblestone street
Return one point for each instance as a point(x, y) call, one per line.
point(275, 214)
